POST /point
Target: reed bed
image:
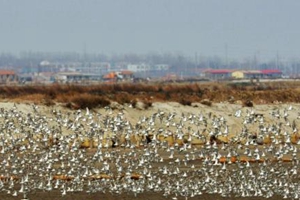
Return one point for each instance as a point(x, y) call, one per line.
point(129, 93)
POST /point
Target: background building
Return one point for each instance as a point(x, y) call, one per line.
point(8, 76)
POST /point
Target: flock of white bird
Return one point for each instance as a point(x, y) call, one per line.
point(173, 154)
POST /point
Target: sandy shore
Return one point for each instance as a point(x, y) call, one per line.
point(198, 118)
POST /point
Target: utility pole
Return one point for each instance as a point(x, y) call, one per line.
point(84, 52)
point(196, 63)
point(226, 55)
point(254, 62)
point(277, 60)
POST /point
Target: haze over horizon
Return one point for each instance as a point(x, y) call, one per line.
point(232, 28)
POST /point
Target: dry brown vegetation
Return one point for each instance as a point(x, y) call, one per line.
point(79, 96)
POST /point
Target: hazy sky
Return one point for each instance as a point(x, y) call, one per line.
point(205, 27)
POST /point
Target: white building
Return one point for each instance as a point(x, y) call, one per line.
point(145, 67)
point(94, 68)
point(161, 67)
point(138, 67)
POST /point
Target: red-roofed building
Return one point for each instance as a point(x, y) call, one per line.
point(253, 74)
point(271, 73)
point(127, 74)
point(8, 76)
point(218, 73)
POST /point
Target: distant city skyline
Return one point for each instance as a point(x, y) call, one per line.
point(230, 29)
